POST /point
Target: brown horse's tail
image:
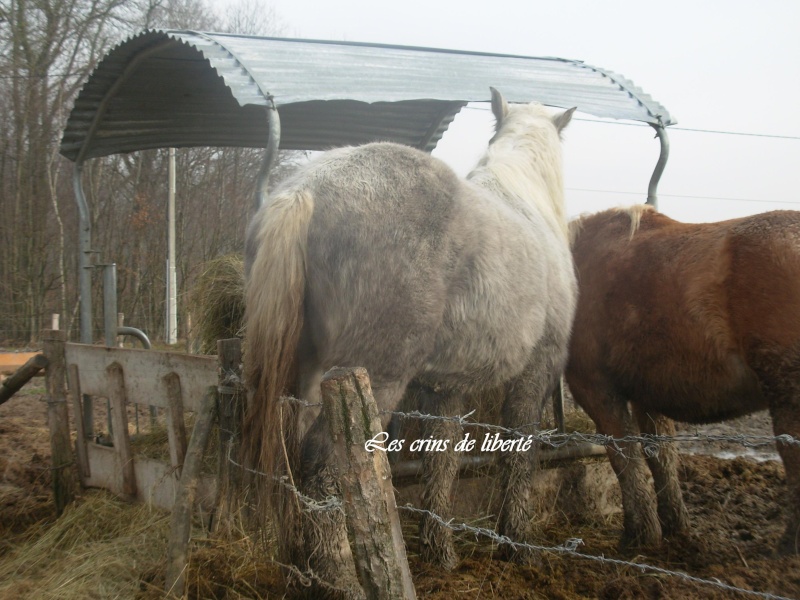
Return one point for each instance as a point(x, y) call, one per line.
point(274, 319)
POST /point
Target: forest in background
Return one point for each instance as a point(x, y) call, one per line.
point(49, 49)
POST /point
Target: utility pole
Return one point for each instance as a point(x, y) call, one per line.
point(172, 279)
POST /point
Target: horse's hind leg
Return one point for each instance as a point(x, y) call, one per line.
point(786, 420)
point(521, 411)
point(611, 416)
point(664, 465)
point(784, 397)
point(439, 470)
point(778, 371)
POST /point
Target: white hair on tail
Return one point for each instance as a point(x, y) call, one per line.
point(633, 212)
point(274, 314)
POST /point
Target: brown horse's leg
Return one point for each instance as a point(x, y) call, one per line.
point(786, 420)
point(664, 465)
point(778, 371)
point(612, 417)
point(439, 470)
point(329, 570)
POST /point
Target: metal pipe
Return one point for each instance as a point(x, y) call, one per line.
point(271, 152)
point(172, 280)
point(84, 280)
point(110, 304)
point(142, 337)
point(84, 256)
point(110, 319)
point(652, 189)
point(137, 333)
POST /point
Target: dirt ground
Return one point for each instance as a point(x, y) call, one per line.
point(735, 506)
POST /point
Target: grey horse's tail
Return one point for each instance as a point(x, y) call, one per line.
point(274, 319)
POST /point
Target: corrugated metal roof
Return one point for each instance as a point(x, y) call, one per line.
point(184, 88)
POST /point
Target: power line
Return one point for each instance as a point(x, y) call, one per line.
point(675, 128)
point(695, 130)
point(689, 196)
point(761, 135)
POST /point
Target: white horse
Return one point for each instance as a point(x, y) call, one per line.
point(380, 256)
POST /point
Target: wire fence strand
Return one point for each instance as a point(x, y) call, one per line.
point(570, 546)
point(649, 442)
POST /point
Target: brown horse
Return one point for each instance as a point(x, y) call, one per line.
point(693, 322)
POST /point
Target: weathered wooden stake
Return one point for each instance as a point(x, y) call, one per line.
point(74, 380)
point(230, 411)
point(366, 482)
point(64, 479)
point(176, 426)
point(181, 522)
point(22, 376)
point(119, 419)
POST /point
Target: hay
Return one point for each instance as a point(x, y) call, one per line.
point(99, 548)
point(217, 301)
point(154, 444)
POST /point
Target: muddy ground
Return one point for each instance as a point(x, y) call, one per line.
point(735, 506)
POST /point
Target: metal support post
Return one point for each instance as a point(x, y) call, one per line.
point(652, 189)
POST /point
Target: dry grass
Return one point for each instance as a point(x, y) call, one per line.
point(96, 549)
point(217, 302)
point(103, 547)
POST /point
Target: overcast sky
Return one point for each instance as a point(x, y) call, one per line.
point(725, 65)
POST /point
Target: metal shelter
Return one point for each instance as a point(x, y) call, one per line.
point(185, 88)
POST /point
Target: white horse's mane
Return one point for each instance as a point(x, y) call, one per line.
point(523, 162)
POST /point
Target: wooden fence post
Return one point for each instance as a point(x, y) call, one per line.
point(74, 381)
point(366, 482)
point(119, 418)
point(181, 521)
point(230, 402)
point(64, 478)
point(176, 426)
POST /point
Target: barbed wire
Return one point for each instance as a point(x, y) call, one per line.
point(650, 441)
point(570, 546)
point(552, 438)
point(299, 402)
point(311, 505)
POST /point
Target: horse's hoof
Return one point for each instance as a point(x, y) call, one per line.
point(630, 543)
point(520, 556)
point(444, 556)
point(641, 533)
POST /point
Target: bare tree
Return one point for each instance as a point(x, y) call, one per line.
point(252, 17)
point(48, 48)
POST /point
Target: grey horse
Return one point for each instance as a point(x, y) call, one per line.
point(380, 256)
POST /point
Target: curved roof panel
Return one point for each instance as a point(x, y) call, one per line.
point(183, 88)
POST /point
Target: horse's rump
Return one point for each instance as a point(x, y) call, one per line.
point(409, 265)
point(674, 311)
